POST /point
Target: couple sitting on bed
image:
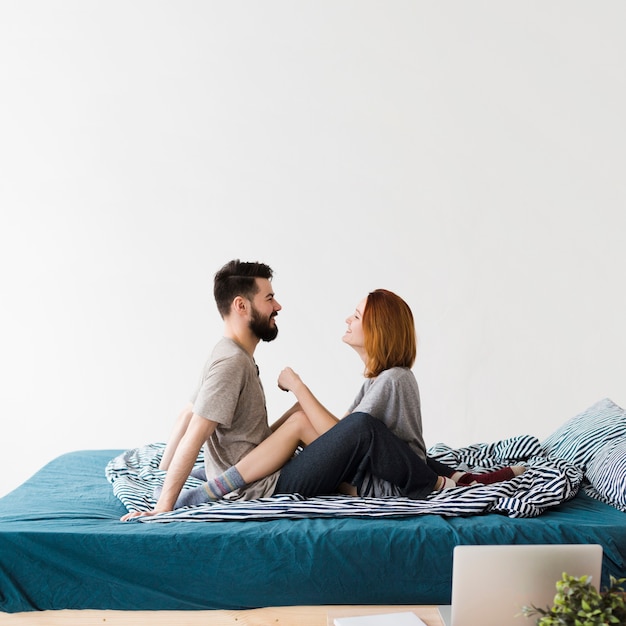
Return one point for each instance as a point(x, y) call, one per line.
point(376, 450)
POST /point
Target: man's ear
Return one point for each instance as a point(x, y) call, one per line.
point(240, 305)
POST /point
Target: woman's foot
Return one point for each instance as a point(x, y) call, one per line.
point(488, 478)
point(443, 482)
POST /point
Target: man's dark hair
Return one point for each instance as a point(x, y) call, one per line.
point(237, 278)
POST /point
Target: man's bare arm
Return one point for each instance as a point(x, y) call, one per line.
point(197, 432)
point(178, 432)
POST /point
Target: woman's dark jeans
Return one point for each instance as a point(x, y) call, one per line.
point(357, 445)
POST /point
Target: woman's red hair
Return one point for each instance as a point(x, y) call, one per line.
point(389, 332)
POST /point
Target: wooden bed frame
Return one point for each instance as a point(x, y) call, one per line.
point(268, 616)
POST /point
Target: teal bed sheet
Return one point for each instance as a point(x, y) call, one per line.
point(62, 546)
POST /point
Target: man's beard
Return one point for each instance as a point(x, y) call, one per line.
point(263, 328)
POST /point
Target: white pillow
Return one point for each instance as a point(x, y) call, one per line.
point(583, 436)
point(607, 474)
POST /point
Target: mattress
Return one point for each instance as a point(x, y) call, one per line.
point(62, 546)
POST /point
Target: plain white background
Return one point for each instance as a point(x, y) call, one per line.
point(468, 155)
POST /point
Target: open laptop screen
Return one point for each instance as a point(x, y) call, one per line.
point(491, 584)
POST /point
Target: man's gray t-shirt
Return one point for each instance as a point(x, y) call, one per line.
point(392, 397)
point(230, 393)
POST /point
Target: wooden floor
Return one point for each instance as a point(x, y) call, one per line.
point(269, 616)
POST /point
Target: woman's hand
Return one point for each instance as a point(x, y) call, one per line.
point(288, 379)
point(321, 418)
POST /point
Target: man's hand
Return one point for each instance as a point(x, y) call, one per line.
point(135, 514)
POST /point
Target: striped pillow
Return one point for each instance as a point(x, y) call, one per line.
point(607, 474)
point(581, 438)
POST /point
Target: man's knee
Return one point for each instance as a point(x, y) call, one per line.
point(299, 424)
point(298, 420)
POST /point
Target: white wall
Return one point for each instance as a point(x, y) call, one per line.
point(468, 155)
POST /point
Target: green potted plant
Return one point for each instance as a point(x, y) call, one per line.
point(578, 603)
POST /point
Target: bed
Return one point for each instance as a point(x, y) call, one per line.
point(62, 545)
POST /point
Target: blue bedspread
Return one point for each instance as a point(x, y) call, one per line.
point(62, 546)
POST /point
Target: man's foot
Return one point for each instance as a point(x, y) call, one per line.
point(189, 497)
point(199, 473)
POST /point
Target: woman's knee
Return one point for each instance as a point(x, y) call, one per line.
point(359, 422)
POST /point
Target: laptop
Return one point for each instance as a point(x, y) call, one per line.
point(491, 584)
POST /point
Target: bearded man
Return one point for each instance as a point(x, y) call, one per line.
point(227, 412)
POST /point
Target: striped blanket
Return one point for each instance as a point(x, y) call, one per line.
point(546, 483)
